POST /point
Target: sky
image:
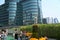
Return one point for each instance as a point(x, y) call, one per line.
point(50, 8)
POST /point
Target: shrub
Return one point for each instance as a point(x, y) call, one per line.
point(35, 31)
point(49, 30)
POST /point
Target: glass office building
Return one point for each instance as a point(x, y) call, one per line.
point(19, 12)
point(3, 15)
point(9, 13)
point(32, 11)
point(15, 12)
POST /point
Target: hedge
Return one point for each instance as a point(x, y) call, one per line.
point(49, 30)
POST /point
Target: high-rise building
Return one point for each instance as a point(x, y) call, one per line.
point(11, 13)
point(50, 20)
point(4, 14)
point(32, 11)
point(56, 20)
point(19, 12)
point(44, 21)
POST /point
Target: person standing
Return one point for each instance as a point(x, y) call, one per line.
point(16, 34)
point(4, 35)
point(0, 35)
point(21, 35)
point(24, 37)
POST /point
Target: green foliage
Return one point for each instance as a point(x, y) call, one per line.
point(35, 31)
point(27, 28)
point(49, 30)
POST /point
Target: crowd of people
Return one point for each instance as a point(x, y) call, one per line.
point(20, 35)
point(3, 34)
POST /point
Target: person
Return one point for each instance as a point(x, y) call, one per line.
point(6, 31)
point(0, 35)
point(19, 37)
point(25, 37)
point(16, 35)
point(4, 35)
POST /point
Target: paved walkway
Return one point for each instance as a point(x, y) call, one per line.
point(10, 38)
point(51, 39)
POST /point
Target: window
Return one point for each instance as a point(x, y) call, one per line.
point(12, 12)
point(29, 2)
point(12, 15)
point(10, 3)
point(31, 6)
point(12, 6)
point(12, 9)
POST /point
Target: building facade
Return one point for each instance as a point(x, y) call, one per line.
point(56, 20)
point(50, 20)
point(9, 13)
point(44, 21)
point(20, 12)
point(4, 15)
point(32, 11)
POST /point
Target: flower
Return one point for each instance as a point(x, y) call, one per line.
point(28, 34)
point(42, 38)
point(33, 39)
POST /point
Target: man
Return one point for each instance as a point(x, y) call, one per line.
point(16, 35)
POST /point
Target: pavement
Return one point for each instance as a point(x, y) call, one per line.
point(51, 39)
point(11, 38)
